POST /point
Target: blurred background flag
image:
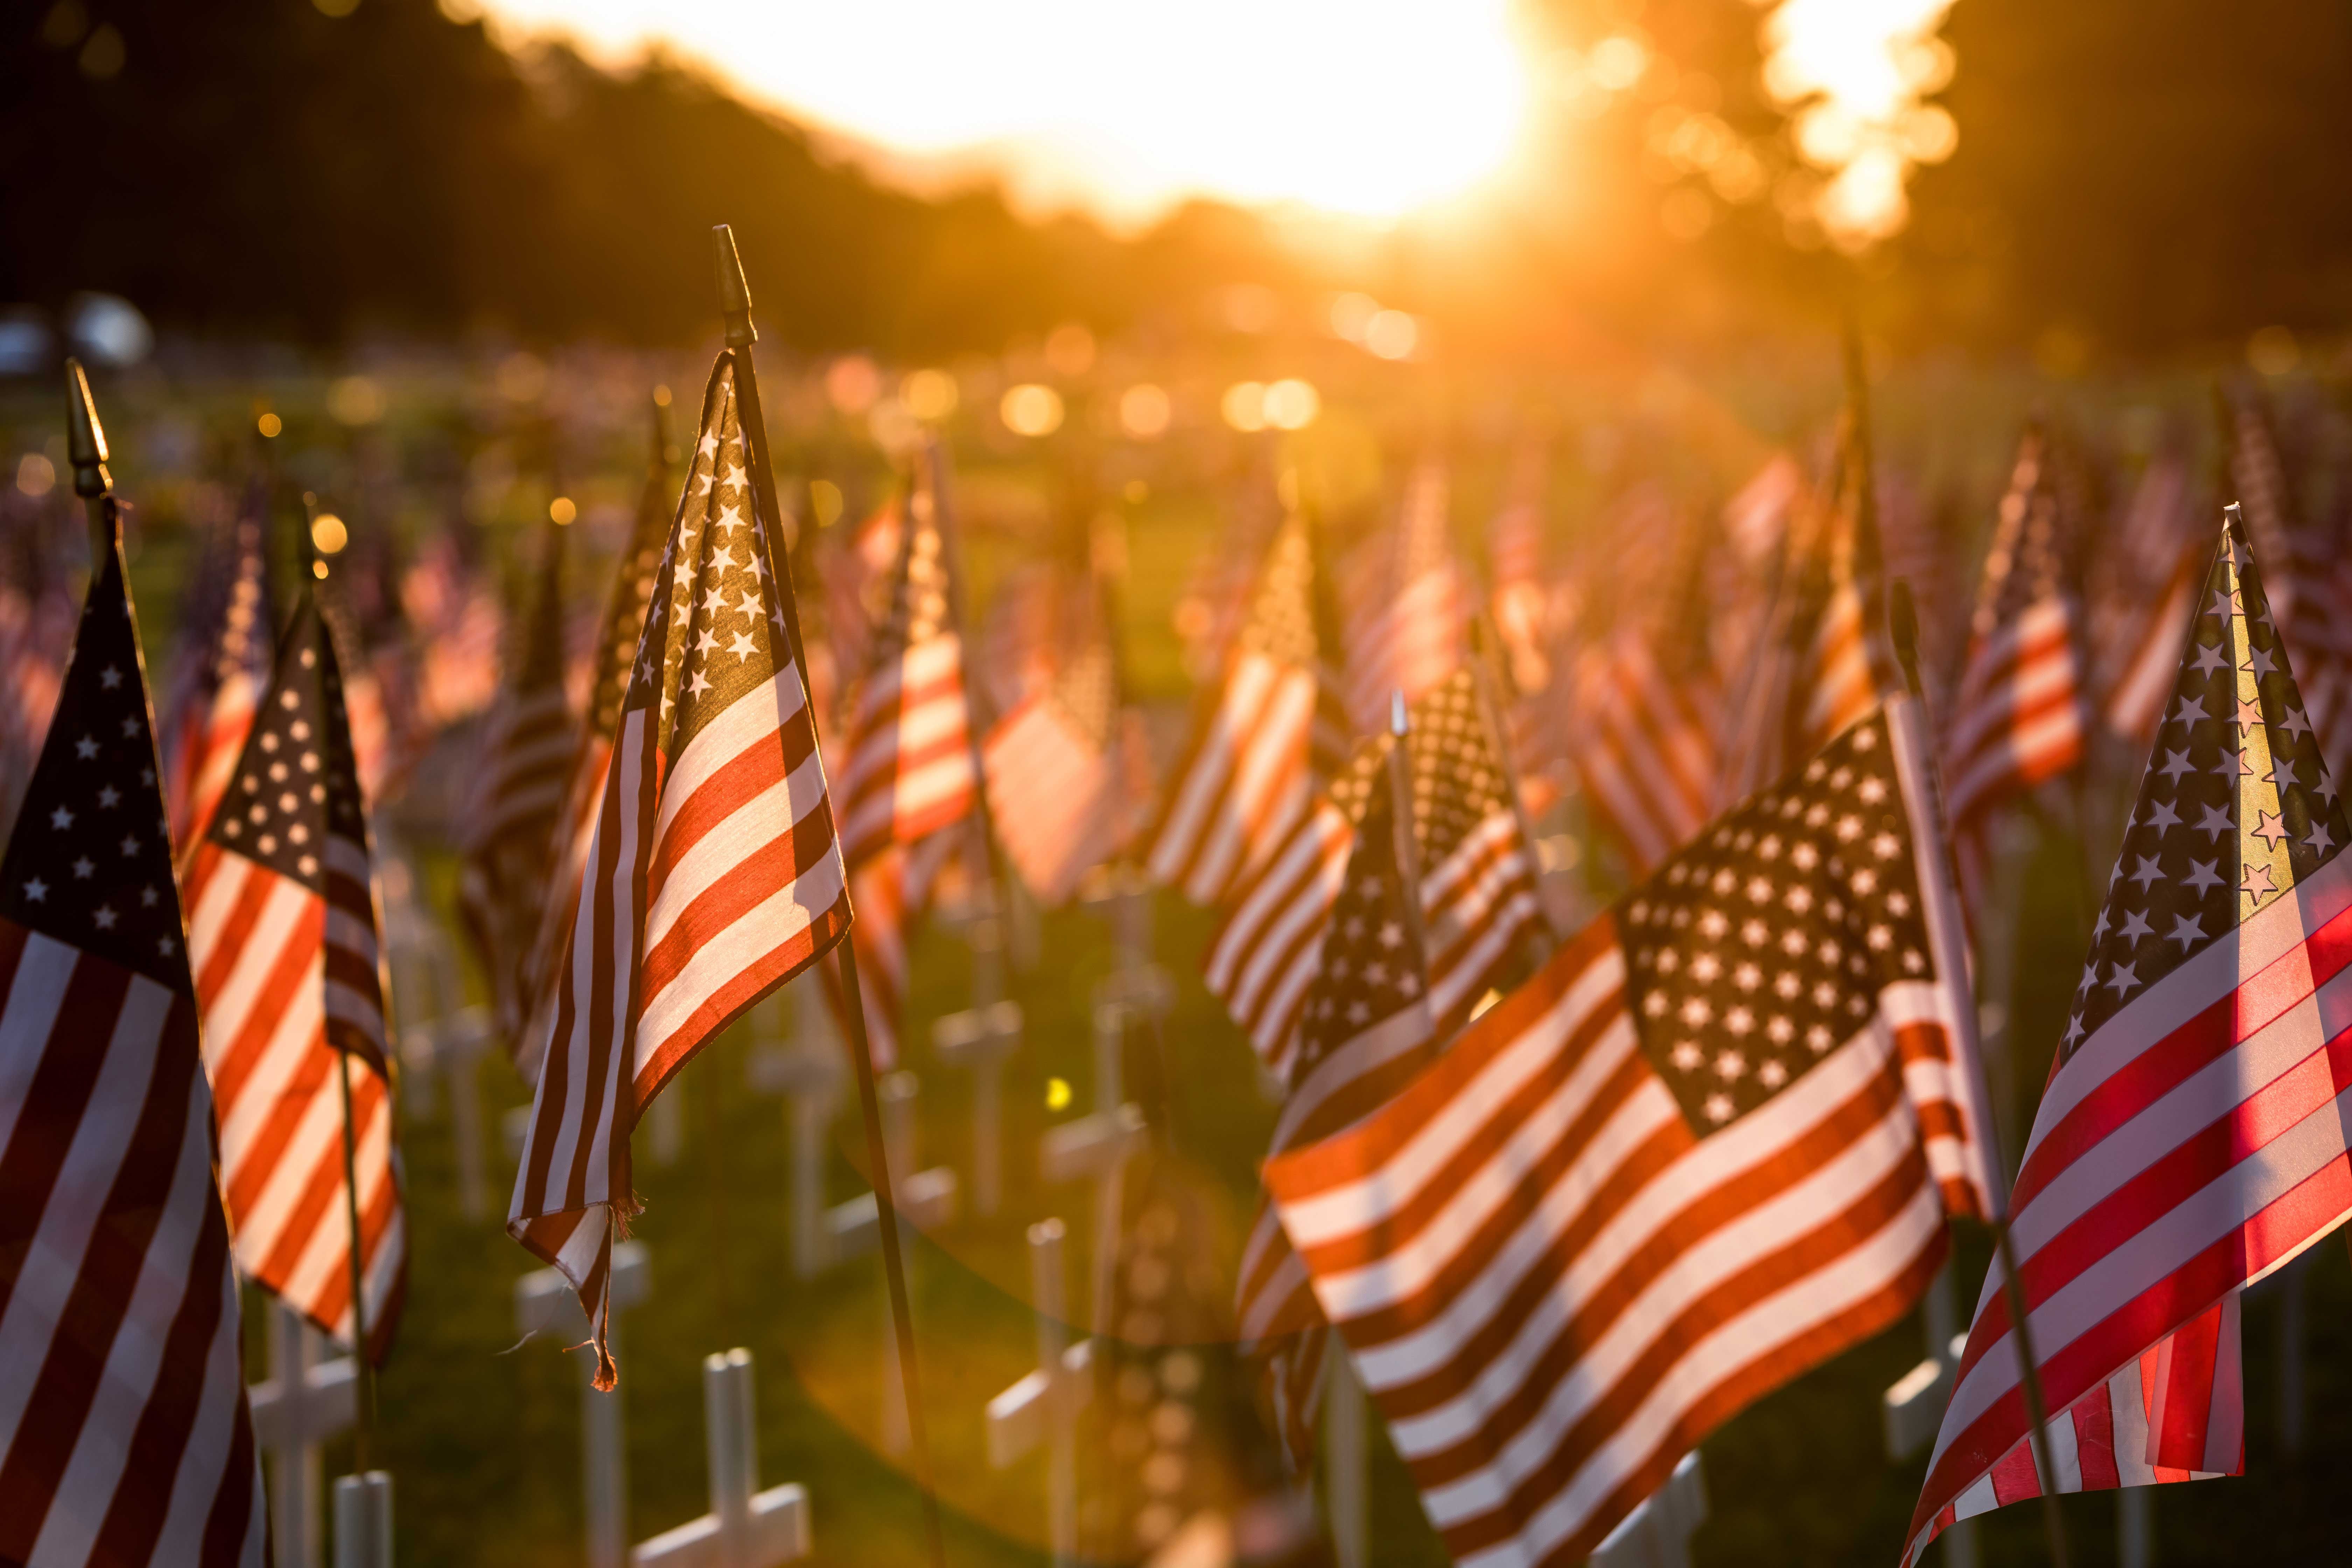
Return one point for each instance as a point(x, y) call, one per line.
point(530, 746)
point(282, 929)
point(1265, 735)
point(220, 660)
point(2017, 720)
point(908, 772)
point(2189, 1141)
point(1407, 600)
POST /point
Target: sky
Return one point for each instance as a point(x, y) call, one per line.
point(1366, 109)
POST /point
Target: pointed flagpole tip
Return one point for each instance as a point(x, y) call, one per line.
point(1397, 722)
point(85, 437)
point(734, 293)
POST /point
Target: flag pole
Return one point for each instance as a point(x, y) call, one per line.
point(1488, 658)
point(364, 1428)
point(86, 451)
point(735, 302)
point(1904, 624)
point(1400, 821)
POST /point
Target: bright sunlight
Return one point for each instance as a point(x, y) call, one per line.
point(1366, 110)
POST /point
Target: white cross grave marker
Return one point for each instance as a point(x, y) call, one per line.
point(1097, 1146)
point(446, 1049)
point(1346, 1460)
point(978, 1040)
point(304, 1402)
point(809, 1070)
point(1042, 1409)
point(544, 1299)
point(1124, 896)
point(1657, 1534)
point(364, 1520)
point(1914, 1407)
point(746, 1527)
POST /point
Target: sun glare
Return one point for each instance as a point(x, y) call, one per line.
point(1368, 110)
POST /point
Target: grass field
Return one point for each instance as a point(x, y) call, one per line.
point(483, 1437)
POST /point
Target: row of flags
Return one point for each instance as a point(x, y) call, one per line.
point(1717, 1136)
point(196, 1055)
point(1567, 1204)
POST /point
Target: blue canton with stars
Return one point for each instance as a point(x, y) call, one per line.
point(1762, 948)
point(716, 622)
point(297, 781)
point(89, 861)
point(2191, 866)
point(1373, 965)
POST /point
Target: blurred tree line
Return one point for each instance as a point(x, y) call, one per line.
point(2140, 174)
point(259, 165)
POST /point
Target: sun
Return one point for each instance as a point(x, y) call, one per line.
point(1369, 110)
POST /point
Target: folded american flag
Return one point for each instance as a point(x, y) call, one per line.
point(2192, 1138)
point(714, 875)
point(1709, 1145)
point(124, 1434)
point(283, 935)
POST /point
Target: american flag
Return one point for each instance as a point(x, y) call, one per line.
point(36, 622)
point(283, 934)
point(2311, 578)
point(1711, 1144)
point(2143, 585)
point(1058, 768)
point(1524, 601)
point(1815, 670)
point(1641, 743)
point(1263, 738)
point(1368, 1028)
point(220, 660)
point(907, 753)
point(124, 1433)
point(714, 875)
point(2189, 1141)
point(528, 752)
point(2017, 720)
point(911, 773)
point(857, 578)
point(453, 615)
point(1408, 604)
point(623, 621)
point(1216, 601)
point(1478, 897)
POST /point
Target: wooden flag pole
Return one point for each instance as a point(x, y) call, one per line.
point(1904, 623)
point(735, 301)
